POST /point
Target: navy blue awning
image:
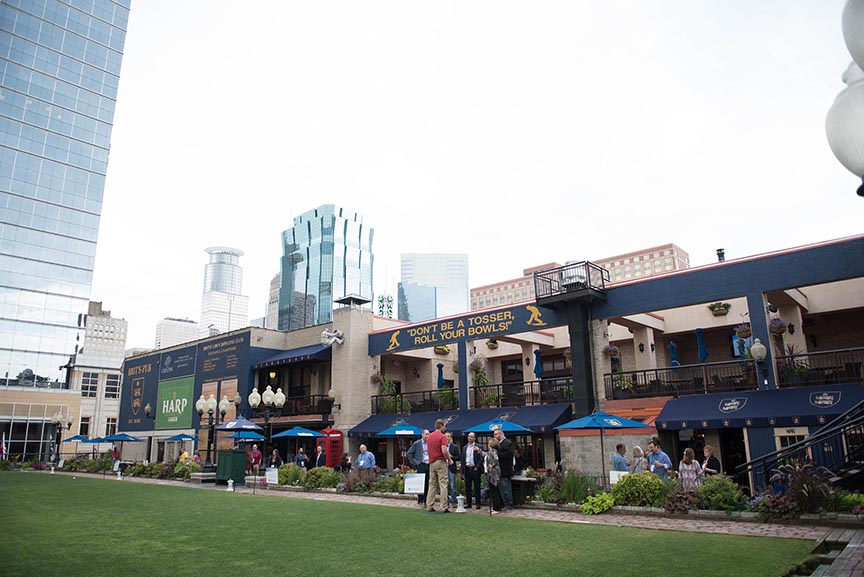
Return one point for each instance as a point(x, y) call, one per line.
point(458, 421)
point(543, 418)
point(374, 424)
point(311, 353)
point(780, 408)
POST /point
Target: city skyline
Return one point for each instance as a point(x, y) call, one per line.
point(516, 136)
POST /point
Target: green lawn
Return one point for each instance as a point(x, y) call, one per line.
point(57, 525)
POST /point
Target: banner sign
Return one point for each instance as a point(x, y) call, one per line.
point(176, 364)
point(140, 379)
point(223, 357)
point(175, 404)
point(480, 325)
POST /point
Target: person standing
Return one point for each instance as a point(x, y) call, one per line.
point(689, 471)
point(365, 459)
point(256, 460)
point(658, 461)
point(492, 464)
point(639, 463)
point(418, 459)
point(619, 461)
point(115, 455)
point(275, 459)
point(320, 457)
point(711, 466)
point(345, 463)
point(439, 459)
point(505, 458)
point(472, 470)
point(452, 468)
point(301, 459)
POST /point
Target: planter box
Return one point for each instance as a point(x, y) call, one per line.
point(720, 312)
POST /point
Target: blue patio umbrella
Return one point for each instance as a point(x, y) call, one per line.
point(122, 438)
point(402, 430)
point(182, 437)
point(94, 440)
point(492, 425)
point(440, 375)
point(77, 439)
point(538, 363)
point(239, 424)
point(700, 345)
point(603, 421)
point(298, 432)
point(673, 354)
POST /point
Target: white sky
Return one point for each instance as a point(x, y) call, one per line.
point(519, 133)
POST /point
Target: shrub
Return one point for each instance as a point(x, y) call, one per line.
point(679, 500)
point(846, 502)
point(771, 507)
point(642, 490)
point(321, 478)
point(392, 484)
point(5, 465)
point(575, 488)
point(152, 470)
point(355, 482)
point(291, 474)
point(186, 469)
point(596, 504)
point(548, 491)
point(136, 470)
point(806, 485)
point(719, 493)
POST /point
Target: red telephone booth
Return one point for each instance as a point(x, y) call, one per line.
point(332, 444)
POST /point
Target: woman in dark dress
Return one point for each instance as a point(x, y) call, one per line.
point(711, 465)
point(345, 463)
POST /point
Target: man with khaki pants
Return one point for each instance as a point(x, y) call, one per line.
point(439, 459)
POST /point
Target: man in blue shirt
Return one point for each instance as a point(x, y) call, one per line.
point(365, 460)
point(418, 458)
point(658, 460)
point(619, 461)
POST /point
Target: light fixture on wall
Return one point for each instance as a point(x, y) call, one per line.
point(652, 347)
point(791, 329)
point(527, 361)
point(416, 373)
point(641, 347)
point(758, 351)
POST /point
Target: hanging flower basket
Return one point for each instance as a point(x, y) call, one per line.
point(777, 326)
point(611, 350)
point(492, 344)
point(719, 309)
point(568, 362)
point(442, 350)
point(377, 379)
point(743, 331)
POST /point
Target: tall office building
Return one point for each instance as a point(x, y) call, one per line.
point(645, 262)
point(59, 71)
point(171, 331)
point(433, 286)
point(326, 255)
point(271, 315)
point(509, 291)
point(223, 308)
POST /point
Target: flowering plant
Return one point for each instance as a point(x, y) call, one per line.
point(611, 350)
point(743, 330)
point(777, 326)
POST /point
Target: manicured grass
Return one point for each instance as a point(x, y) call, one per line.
point(57, 525)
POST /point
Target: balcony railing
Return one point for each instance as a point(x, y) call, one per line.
point(521, 394)
point(823, 368)
point(572, 277)
point(416, 402)
point(682, 380)
point(311, 405)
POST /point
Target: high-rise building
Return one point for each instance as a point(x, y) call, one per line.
point(433, 286)
point(508, 291)
point(271, 316)
point(645, 262)
point(97, 372)
point(171, 331)
point(59, 71)
point(326, 255)
point(223, 308)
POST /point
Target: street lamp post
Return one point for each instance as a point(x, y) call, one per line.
point(59, 422)
point(148, 414)
point(273, 403)
point(209, 406)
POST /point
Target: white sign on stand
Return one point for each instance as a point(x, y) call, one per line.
point(415, 483)
point(271, 475)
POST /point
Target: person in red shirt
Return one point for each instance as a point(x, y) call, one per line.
point(439, 459)
point(256, 460)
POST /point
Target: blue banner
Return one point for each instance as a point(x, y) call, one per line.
point(140, 382)
point(177, 363)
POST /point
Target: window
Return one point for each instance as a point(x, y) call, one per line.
point(112, 387)
point(110, 426)
point(84, 426)
point(89, 385)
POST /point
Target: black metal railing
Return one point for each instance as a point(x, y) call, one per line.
point(569, 278)
point(416, 402)
point(837, 447)
point(822, 368)
point(682, 380)
point(311, 405)
point(524, 393)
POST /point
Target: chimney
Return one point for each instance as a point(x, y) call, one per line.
point(721, 255)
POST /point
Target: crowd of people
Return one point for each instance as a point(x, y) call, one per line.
point(690, 471)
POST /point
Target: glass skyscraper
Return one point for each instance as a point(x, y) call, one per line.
point(223, 308)
point(433, 286)
point(60, 67)
point(326, 255)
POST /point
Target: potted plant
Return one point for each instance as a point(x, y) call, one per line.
point(611, 350)
point(743, 331)
point(442, 350)
point(377, 379)
point(777, 326)
point(568, 361)
point(478, 371)
point(719, 309)
point(623, 385)
point(492, 344)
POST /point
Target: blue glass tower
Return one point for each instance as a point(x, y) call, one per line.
point(433, 286)
point(59, 71)
point(326, 255)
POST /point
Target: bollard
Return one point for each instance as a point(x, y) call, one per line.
point(119, 475)
point(460, 507)
point(231, 485)
point(52, 469)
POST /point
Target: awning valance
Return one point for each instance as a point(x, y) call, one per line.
point(311, 353)
point(780, 408)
